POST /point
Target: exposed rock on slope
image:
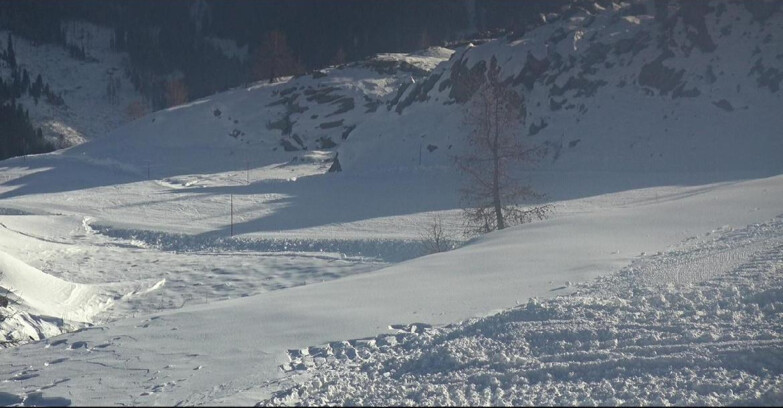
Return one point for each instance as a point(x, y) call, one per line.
point(634, 87)
point(638, 80)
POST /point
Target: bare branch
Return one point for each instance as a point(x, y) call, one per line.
point(434, 237)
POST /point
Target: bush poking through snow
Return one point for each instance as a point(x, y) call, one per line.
point(434, 237)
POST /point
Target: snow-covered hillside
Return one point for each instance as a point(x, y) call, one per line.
point(88, 111)
point(204, 254)
point(261, 124)
point(634, 88)
point(185, 346)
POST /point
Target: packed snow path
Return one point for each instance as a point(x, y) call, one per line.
point(714, 339)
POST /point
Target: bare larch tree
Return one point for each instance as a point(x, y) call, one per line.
point(274, 58)
point(495, 117)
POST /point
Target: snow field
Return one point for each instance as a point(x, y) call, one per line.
point(215, 319)
point(168, 346)
point(166, 274)
point(622, 339)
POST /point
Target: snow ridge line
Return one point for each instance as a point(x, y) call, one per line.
point(623, 339)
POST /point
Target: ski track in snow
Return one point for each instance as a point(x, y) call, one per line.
point(701, 324)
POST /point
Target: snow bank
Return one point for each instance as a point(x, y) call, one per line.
point(41, 305)
point(49, 296)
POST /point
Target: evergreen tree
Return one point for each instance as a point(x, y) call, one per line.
point(16, 80)
point(17, 134)
point(37, 88)
point(25, 80)
point(10, 54)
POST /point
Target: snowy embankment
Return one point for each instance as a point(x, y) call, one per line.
point(39, 305)
point(642, 336)
point(47, 295)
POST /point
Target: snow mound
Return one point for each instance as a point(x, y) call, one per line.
point(40, 305)
point(616, 341)
point(50, 296)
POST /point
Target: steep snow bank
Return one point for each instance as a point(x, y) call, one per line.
point(47, 295)
point(41, 305)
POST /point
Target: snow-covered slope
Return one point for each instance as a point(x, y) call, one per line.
point(88, 112)
point(231, 352)
point(622, 340)
point(267, 259)
point(634, 88)
point(620, 98)
point(261, 124)
point(682, 88)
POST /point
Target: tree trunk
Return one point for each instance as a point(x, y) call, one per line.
point(496, 171)
point(496, 195)
point(273, 63)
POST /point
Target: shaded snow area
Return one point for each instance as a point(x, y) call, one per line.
point(701, 324)
point(88, 110)
point(130, 276)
